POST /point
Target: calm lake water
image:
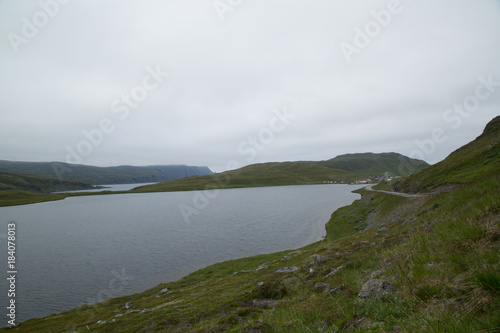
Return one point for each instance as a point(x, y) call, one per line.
point(111, 187)
point(86, 249)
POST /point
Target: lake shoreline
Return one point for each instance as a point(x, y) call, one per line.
point(315, 234)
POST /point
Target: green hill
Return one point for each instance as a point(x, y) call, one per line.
point(104, 175)
point(475, 162)
point(345, 168)
point(375, 164)
point(20, 182)
point(423, 263)
point(20, 189)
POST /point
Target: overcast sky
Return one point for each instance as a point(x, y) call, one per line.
point(205, 82)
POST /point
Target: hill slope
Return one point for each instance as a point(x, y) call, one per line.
point(375, 164)
point(104, 175)
point(342, 168)
point(20, 182)
point(475, 162)
point(435, 258)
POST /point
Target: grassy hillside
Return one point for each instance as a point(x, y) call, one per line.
point(265, 174)
point(440, 253)
point(375, 164)
point(344, 168)
point(21, 182)
point(477, 161)
point(14, 198)
point(104, 175)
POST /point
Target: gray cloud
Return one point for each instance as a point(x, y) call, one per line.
point(227, 76)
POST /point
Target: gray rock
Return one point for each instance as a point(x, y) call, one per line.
point(375, 288)
point(164, 291)
point(264, 303)
point(287, 269)
point(319, 259)
point(320, 286)
point(335, 271)
point(364, 243)
point(128, 305)
point(101, 322)
point(411, 219)
point(383, 229)
point(376, 274)
point(263, 266)
point(334, 290)
point(236, 273)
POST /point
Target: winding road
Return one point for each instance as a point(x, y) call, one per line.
point(406, 195)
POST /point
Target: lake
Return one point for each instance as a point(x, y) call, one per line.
point(87, 249)
point(110, 187)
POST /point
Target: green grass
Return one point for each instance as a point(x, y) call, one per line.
point(391, 306)
point(14, 198)
point(11, 181)
point(440, 251)
point(256, 175)
point(443, 270)
point(474, 162)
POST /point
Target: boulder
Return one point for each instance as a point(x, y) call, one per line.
point(375, 288)
point(320, 286)
point(319, 259)
point(164, 291)
point(287, 269)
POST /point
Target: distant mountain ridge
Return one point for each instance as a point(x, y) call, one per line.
point(105, 175)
